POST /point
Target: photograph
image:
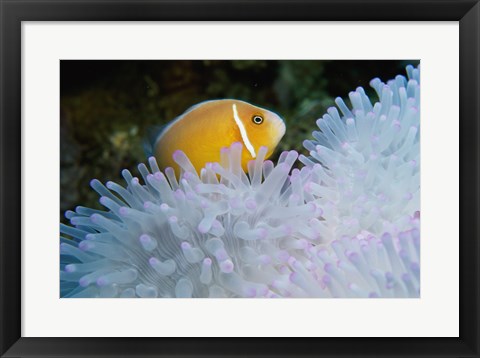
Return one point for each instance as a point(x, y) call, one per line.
point(239, 179)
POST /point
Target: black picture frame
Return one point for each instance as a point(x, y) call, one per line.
point(13, 12)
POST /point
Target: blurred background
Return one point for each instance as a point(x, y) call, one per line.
point(106, 107)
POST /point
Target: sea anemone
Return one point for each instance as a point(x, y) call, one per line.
point(220, 233)
point(372, 157)
point(344, 225)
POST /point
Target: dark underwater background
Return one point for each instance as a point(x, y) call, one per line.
point(107, 106)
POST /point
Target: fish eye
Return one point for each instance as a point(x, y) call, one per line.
point(257, 119)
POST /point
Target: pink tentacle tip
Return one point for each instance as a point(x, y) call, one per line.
point(237, 145)
point(326, 279)
point(263, 233)
point(283, 269)
point(293, 277)
point(190, 196)
point(291, 260)
point(265, 259)
point(262, 291)
point(227, 266)
point(328, 267)
point(216, 166)
point(275, 284)
point(354, 257)
point(188, 176)
point(178, 154)
point(101, 282)
point(221, 254)
point(250, 292)
point(179, 194)
point(84, 282)
point(251, 204)
point(303, 244)
point(307, 187)
point(287, 229)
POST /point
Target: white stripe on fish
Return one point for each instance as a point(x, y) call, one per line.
point(243, 132)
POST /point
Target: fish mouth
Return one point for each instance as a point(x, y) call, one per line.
point(277, 131)
point(280, 127)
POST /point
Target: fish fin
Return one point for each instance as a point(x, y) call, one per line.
point(151, 138)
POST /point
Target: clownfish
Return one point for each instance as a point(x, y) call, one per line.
point(204, 129)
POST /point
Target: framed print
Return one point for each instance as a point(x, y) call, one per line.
point(204, 173)
point(219, 217)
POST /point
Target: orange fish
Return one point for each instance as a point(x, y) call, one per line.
point(204, 129)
